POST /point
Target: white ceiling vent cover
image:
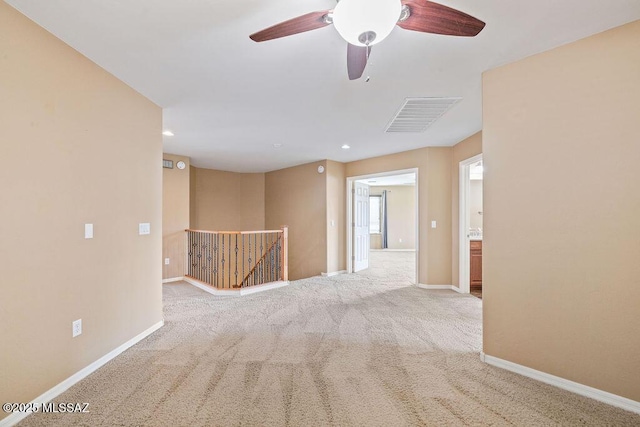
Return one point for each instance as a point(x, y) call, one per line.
point(417, 114)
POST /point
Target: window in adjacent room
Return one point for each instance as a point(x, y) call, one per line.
point(375, 214)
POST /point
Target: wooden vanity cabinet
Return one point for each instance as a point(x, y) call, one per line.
point(476, 264)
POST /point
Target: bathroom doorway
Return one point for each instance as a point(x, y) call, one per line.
point(471, 225)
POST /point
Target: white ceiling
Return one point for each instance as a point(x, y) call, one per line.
point(229, 100)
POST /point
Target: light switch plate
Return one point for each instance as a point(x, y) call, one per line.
point(433, 224)
point(88, 231)
point(166, 261)
point(144, 228)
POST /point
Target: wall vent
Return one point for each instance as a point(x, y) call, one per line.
point(417, 114)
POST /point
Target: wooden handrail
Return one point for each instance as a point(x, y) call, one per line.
point(260, 260)
point(234, 232)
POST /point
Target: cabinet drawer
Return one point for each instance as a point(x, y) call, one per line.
point(476, 244)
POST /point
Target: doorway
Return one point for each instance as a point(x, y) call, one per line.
point(382, 214)
point(470, 225)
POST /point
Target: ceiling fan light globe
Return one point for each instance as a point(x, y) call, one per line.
point(353, 18)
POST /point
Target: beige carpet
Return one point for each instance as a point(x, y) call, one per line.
point(362, 349)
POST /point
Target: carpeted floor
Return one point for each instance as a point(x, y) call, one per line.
point(360, 349)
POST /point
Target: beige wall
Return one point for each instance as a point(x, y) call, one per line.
point(465, 149)
point(375, 241)
point(78, 146)
point(297, 197)
point(192, 197)
point(336, 217)
point(227, 201)
point(561, 148)
point(434, 204)
point(175, 216)
point(401, 217)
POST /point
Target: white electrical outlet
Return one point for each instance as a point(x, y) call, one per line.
point(166, 261)
point(76, 327)
point(433, 224)
point(144, 228)
point(88, 231)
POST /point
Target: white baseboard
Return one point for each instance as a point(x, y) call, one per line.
point(234, 292)
point(574, 387)
point(52, 393)
point(211, 289)
point(261, 288)
point(392, 250)
point(173, 279)
point(334, 273)
point(435, 287)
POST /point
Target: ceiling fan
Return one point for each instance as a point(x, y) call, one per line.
point(363, 23)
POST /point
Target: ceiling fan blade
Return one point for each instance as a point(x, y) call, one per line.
point(357, 60)
point(308, 22)
point(430, 17)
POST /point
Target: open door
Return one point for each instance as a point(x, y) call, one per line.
point(360, 226)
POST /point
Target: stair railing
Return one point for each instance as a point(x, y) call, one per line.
point(237, 259)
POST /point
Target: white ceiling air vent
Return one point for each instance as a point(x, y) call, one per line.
point(417, 114)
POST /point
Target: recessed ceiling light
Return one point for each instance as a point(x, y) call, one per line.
point(167, 133)
point(345, 147)
point(277, 145)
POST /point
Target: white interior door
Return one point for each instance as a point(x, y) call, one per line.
point(360, 226)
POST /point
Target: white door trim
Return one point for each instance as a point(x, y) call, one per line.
point(464, 222)
point(349, 219)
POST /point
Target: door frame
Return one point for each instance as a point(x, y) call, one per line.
point(349, 219)
point(464, 222)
